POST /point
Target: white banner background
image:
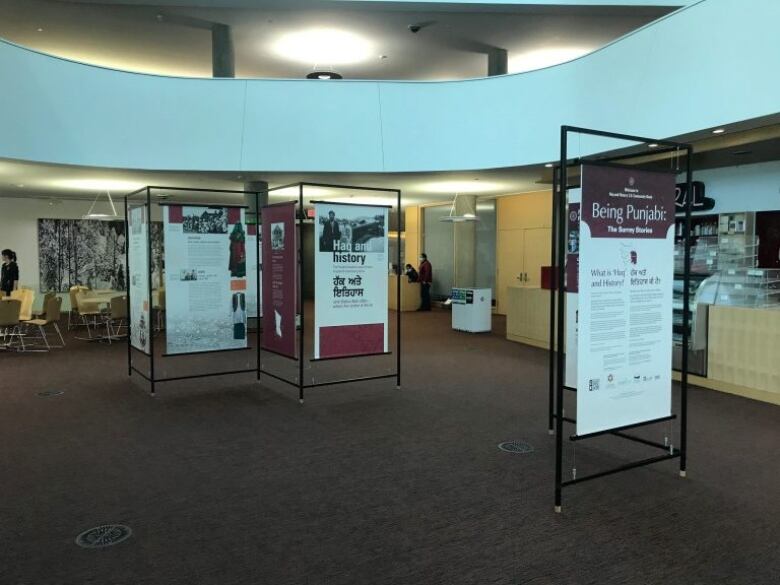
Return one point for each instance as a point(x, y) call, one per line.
point(350, 306)
point(205, 282)
point(624, 354)
point(138, 270)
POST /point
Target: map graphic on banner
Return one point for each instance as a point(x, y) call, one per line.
point(138, 274)
point(279, 278)
point(626, 271)
point(205, 278)
point(350, 301)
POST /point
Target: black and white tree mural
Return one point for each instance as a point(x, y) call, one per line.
point(89, 252)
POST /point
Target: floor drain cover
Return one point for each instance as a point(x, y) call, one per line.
point(516, 447)
point(103, 536)
point(48, 393)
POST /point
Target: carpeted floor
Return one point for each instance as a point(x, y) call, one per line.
point(225, 481)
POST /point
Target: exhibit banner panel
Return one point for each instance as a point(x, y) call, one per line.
point(253, 296)
point(626, 270)
point(279, 278)
point(351, 274)
point(205, 278)
point(572, 285)
point(138, 274)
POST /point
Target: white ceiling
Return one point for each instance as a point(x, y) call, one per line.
point(166, 40)
point(28, 179)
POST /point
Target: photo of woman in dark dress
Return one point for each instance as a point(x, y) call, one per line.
point(237, 264)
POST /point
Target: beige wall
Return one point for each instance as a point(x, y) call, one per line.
point(523, 223)
point(412, 235)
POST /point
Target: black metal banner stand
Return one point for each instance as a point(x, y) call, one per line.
point(300, 384)
point(150, 377)
point(556, 416)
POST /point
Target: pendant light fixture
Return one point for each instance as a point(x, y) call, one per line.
point(323, 71)
point(324, 75)
point(464, 217)
point(92, 214)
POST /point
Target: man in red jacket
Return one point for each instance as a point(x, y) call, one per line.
point(425, 279)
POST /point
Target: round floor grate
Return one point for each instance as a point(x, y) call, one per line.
point(516, 447)
point(103, 536)
point(49, 393)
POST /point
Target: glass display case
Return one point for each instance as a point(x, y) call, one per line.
point(724, 256)
point(697, 323)
point(754, 288)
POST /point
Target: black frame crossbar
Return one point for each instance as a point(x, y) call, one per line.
point(556, 418)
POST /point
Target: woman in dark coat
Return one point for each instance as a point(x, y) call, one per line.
point(9, 276)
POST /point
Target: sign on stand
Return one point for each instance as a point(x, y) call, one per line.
point(138, 269)
point(572, 286)
point(351, 267)
point(626, 271)
point(205, 278)
point(279, 247)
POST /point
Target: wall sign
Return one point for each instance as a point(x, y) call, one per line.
point(699, 202)
point(624, 349)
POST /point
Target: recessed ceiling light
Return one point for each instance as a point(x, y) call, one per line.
point(544, 58)
point(719, 131)
point(323, 45)
point(40, 29)
point(549, 165)
point(21, 185)
point(652, 145)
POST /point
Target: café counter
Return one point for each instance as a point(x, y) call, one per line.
point(410, 293)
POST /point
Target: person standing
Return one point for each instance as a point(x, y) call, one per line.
point(9, 276)
point(331, 233)
point(425, 279)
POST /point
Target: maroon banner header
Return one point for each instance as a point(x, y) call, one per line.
point(622, 202)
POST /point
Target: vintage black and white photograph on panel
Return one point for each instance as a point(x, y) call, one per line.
point(188, 274)
point(277, 236)
point(351, 228)
point(204, 220)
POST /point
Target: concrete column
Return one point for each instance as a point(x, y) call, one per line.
point(497, 62)
point(465, 243)
point(222, 55)
point(249, 199)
